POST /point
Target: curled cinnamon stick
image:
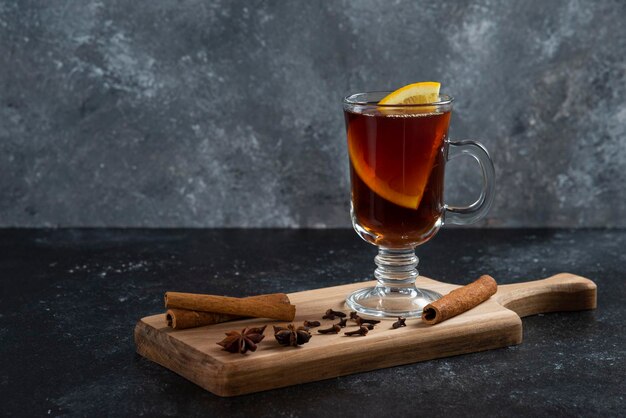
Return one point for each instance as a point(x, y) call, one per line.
point(460, 300)
point(186, 318)
point(231, 306)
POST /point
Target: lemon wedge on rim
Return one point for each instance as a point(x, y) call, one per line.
point(417, 93)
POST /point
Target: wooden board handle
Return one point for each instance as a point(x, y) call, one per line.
point(561, 292)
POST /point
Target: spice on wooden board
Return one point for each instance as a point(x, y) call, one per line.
point(331, 314)
point(332, 330)
point(362, 331)
point(185, 318)
point(249, 307)
point(290, 335)
point(361, 321)
point(460, 300)
point(311, 324)
point(401, 322)
point(241, 342)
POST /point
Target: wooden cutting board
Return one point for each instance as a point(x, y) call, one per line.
point(194, 354)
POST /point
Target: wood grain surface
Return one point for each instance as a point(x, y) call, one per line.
point(194, 354)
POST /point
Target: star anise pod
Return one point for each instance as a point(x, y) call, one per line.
point(241, 342)
point(291, 335)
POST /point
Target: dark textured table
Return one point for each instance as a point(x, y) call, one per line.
point(70, 300)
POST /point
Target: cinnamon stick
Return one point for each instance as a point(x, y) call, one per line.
point(185, 318)
point(460, 300)
point(232, 306)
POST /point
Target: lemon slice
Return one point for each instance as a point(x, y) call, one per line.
point(417, 93)
point(401, 196)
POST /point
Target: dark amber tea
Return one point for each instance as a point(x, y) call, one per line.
point(397, 172)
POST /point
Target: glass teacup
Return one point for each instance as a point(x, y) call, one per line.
point(397, 164)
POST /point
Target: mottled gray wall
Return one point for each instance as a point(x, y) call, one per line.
point(227, 113)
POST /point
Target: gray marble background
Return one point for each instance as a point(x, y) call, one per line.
point(227, 113)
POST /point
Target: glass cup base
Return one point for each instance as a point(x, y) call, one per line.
point(390, 302)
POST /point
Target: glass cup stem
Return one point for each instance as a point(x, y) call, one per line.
point(395, 293)
point(396, 267)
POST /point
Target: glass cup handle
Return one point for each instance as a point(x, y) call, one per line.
point(478, 209)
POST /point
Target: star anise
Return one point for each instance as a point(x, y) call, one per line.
point(291, 335)
point(241, 342)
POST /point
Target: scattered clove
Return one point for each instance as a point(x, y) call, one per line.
point(342, 322)
point(401, 322)
point(241, 342)
point(332, 330)
point(361, 321)
point(368, 326)
point(330, 314)
point(361, 331)
point(311, 324)
point(291, 335)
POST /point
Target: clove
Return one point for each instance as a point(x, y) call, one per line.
point(361, 331)
point(311, 324)
point(368, 326)
point(332, 330)
point(330, 314)
point(361, 321)
point(401, 322)
point(342, 322)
